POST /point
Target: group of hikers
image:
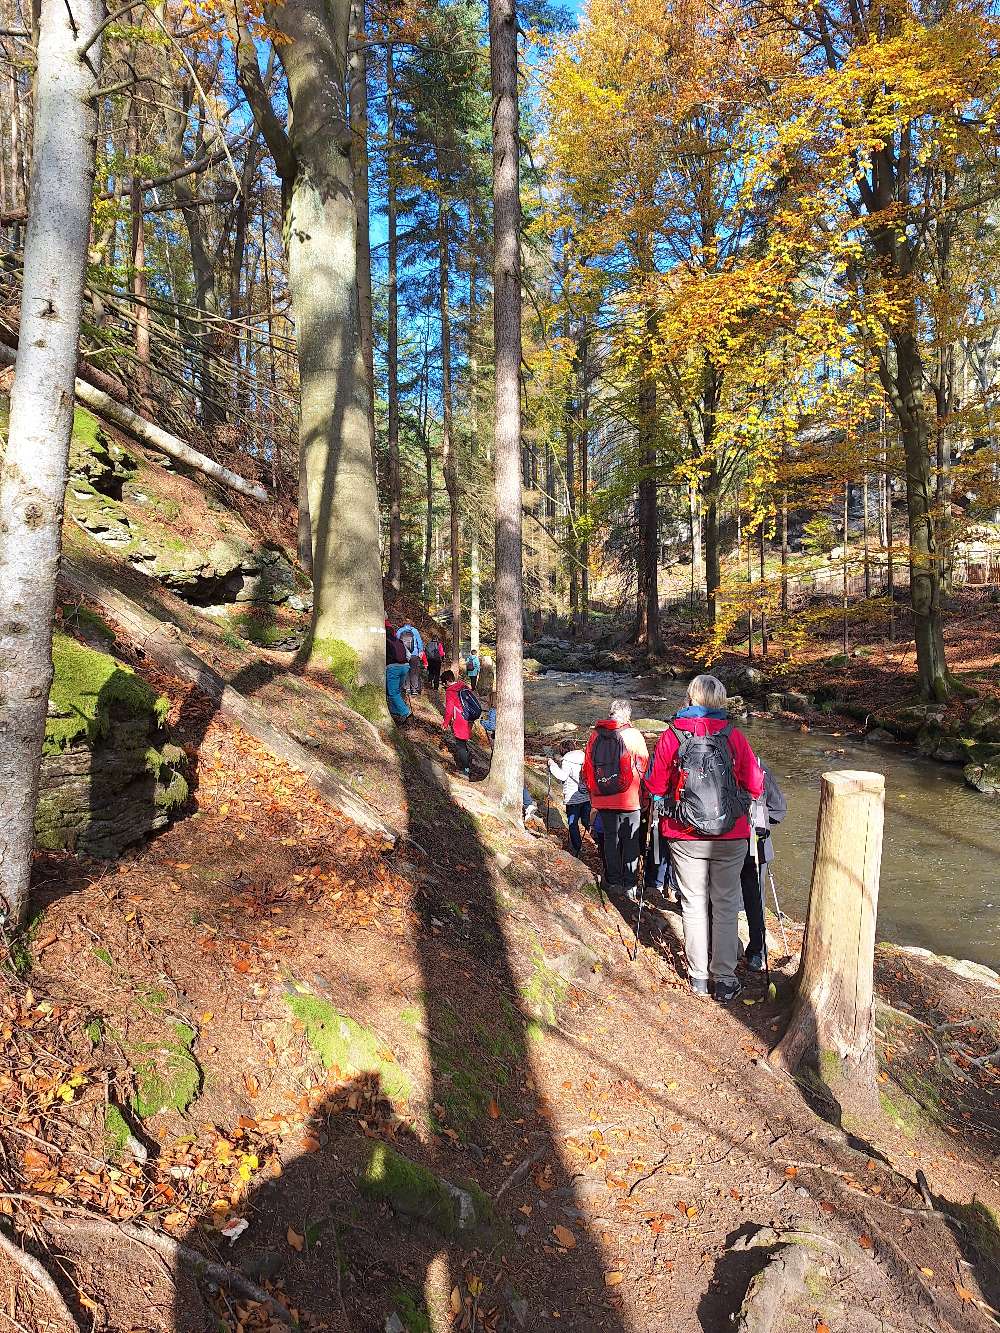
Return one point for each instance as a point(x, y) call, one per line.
point(468, 698)
point(698, 815)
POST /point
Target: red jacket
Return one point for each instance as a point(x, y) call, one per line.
point(749, 774)
point(638, 754)
point(453, 715)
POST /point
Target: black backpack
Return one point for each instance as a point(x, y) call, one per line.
point(607, 757)
point(706, 796)
point(472, 709)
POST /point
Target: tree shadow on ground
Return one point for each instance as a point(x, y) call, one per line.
point(353, 1246)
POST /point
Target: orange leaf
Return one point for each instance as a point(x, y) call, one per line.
point(963, 1293)
point(493, 1109)
point(613, 1279)
point(865, 1242)
point(564, 1236)
point(822, 1328)
point(242, 965)
point(295, 1240)
point(791, 1172)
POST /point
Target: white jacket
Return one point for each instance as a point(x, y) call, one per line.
point(570, 774)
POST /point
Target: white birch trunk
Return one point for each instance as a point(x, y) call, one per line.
point(33, 478)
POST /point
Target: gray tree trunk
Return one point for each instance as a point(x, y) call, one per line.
point(507, 773)
point(395, 486)
point(334, 431)
point(359, 158)
point(33, 478)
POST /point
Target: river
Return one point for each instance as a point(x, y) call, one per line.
point(940, 883)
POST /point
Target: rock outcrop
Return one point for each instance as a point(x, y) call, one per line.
point(110, 775)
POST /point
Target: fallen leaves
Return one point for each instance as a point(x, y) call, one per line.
point(564, 1236)
point(295, 1239)
point(614, 1279)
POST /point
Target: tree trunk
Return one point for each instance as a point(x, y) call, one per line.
point(649, 533)
point(507, 771)
point(571, 423)
point(35, 465)
point(713, 568)
point(392, 348)
point(944, 393)
point(334, 426)
point(140, 284)
point(304, 527)
point(697, 553)
point(447, 440)
point(359, 162)
point(833, 1018)
point(583, 451)
point(925, 575)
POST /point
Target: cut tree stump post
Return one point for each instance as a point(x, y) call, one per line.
point(833, 1017)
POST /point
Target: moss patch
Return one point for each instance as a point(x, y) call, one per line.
point(343, 1044)
point(343, 664)
point(545, 990)
point(86, 685)
point(410, 1310)
point(116, 1131)
point(409, 1189)
point(168, 1076)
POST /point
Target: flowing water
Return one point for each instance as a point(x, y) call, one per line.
point(940, 885)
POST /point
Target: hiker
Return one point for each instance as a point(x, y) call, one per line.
point(489, 719)
point(394, 650)
point(767, 811)
point(614, 763)
point(461, 710)
point(435, 656)
point(576, 797)
point(487, 676)
point(472, 668)
point(396, 671)
point(410, 638)
point(703, 778)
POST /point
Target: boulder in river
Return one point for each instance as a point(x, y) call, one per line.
point(985, 720)
point(559, 729)
point(650, 726)
point(796, 702)
point(984, 778)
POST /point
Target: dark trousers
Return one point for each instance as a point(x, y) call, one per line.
point(578, 818)
point(752, 883)
point(434, 672)
point(473, 682)
point(462, 753)
point(621, 846)
point(413, 683)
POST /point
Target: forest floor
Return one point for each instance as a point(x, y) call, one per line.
point(241, 1021)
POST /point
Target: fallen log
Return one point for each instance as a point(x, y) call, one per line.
point(160, 643)
point(100, 379)
point(153, 436)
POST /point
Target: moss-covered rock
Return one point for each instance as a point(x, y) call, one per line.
point(168, 1077)
point(109, 774)
point(416, 1193)
point(96, 463)
point(343, 1044)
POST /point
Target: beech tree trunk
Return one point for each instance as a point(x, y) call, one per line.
point(583, 451)
point(392, 348)
point(649, 527)
point(35, 465)
point(507, 772)
point(833, 1018)
point(334, 427)
point(359, 162)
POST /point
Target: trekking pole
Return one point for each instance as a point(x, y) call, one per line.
point(763, 917)
point(777, 908)
point(642, 891)
point(548, 787)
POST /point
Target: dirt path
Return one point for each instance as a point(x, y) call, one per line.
point(321, 1026)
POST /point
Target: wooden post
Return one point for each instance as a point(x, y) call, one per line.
point(833, 1017)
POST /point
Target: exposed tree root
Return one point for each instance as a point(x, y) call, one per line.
point(37, 1273)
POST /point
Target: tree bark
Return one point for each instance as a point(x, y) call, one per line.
point(906, 392)
point(447, 437)
point(649, 527)
point(507, 771)
point(35, 465)
point(583, 451)
point(359, 163)
point(833, 1017)
point(334, 428)
point(392, 349)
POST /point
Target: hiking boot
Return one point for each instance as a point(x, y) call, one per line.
point(699, 986)
point(755, 962)
point(632, 894)
point(727, 991)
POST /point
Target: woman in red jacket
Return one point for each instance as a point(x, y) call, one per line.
point(707, 867)
point(616, 793)
point(455, 720)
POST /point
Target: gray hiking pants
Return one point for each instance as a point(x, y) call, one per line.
point(708, 876)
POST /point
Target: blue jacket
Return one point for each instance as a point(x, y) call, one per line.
point(418, 643)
